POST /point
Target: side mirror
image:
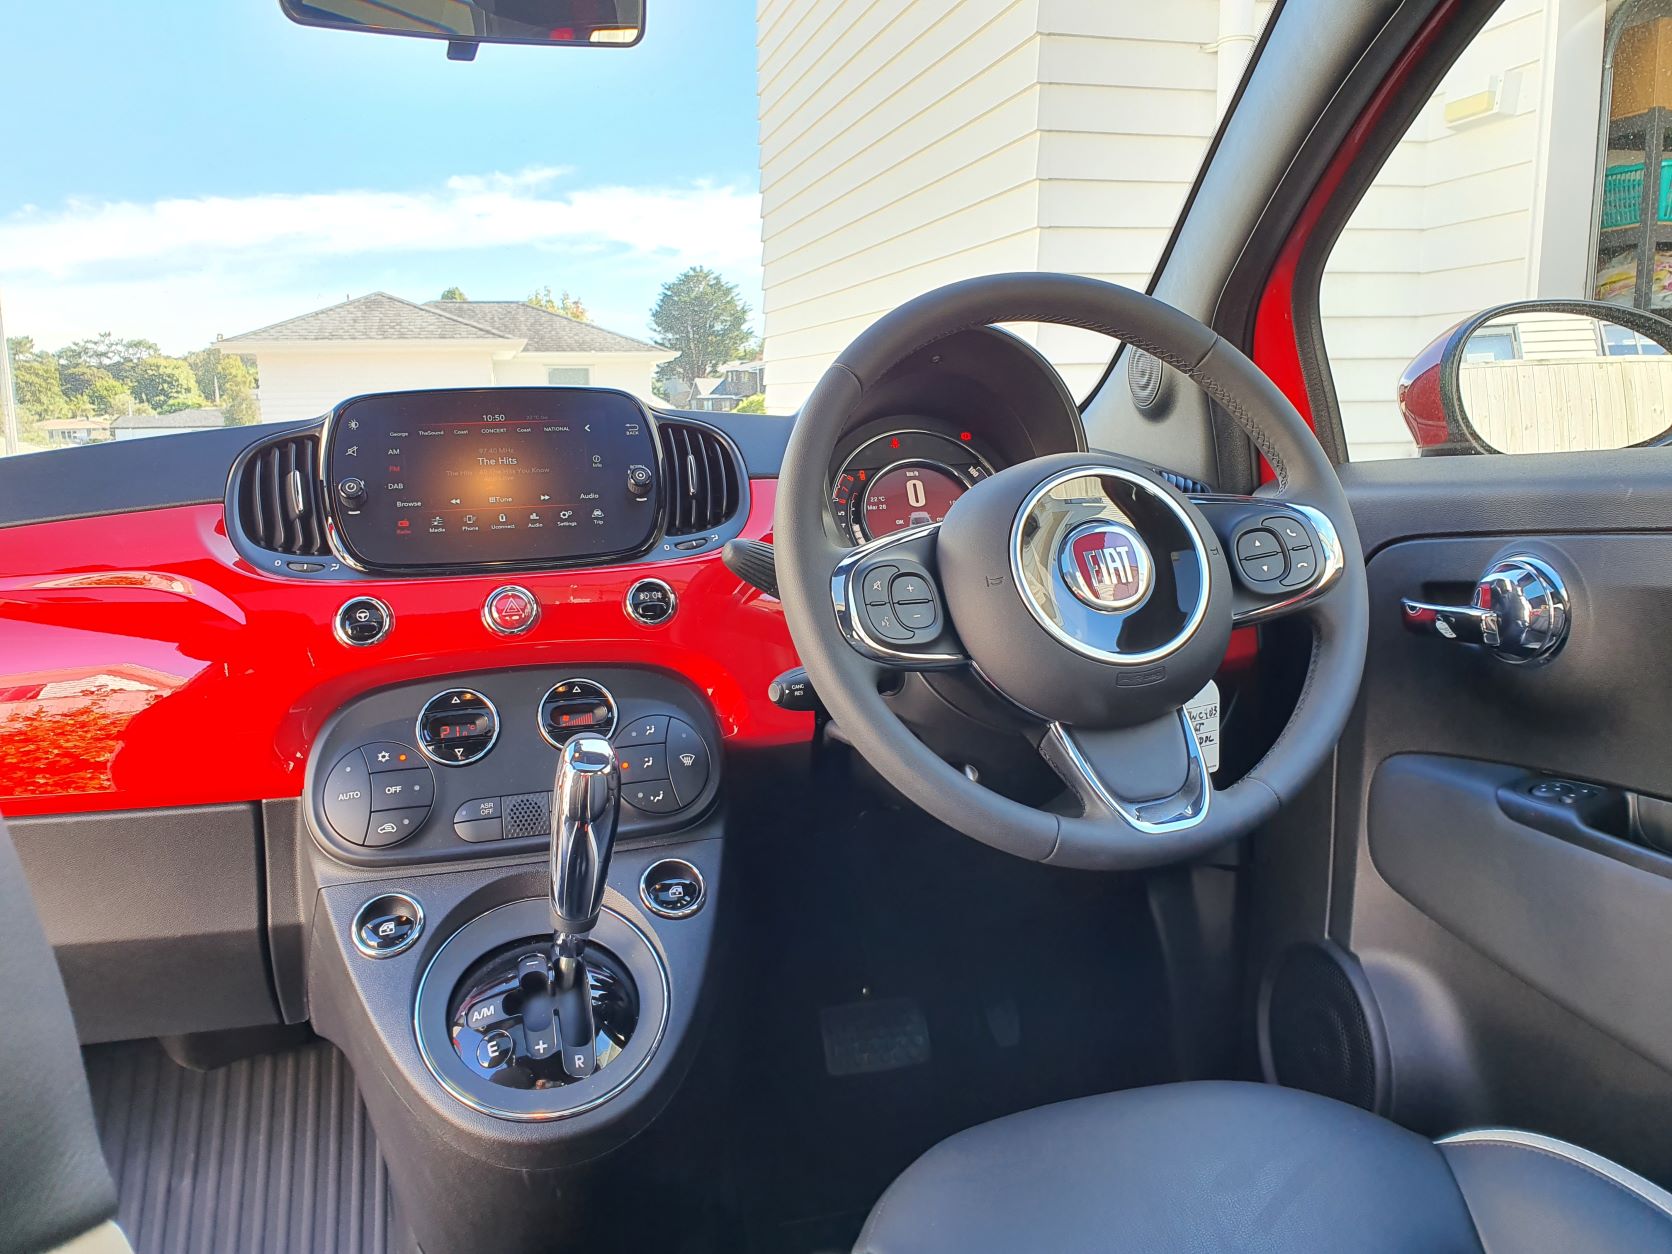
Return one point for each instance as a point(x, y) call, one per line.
point(466, 23)
point(1542, 377)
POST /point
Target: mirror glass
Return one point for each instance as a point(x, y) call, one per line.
point(592, 22)
point(1549, 381)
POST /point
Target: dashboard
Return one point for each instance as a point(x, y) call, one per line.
point(190, 619)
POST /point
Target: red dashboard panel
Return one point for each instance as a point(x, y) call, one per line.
point(144, 664)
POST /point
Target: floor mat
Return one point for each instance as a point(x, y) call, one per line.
point(269, 1155)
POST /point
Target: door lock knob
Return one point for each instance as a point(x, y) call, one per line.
point(1520, 612)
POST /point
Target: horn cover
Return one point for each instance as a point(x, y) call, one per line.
point(1086, 589)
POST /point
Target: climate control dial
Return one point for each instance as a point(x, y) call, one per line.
point(457, 727)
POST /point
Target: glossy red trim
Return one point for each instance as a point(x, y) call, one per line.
point(1276, 348)
point(1420, 402)
point(144, 664)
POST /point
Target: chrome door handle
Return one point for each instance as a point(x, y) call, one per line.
point(1520, 612)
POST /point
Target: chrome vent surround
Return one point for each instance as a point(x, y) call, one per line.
point(281, 502)
point(704, 481)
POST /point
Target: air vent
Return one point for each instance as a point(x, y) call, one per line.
point(703, 484)
point(280, 501)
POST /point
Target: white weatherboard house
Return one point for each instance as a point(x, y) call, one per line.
point(908, 145)
point(379, 342)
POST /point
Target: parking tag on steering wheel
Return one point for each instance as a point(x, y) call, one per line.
point(1203, 712)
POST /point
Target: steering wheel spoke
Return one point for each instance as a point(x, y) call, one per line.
point(889, 605)
point(1152, 777)
point(1282, 555)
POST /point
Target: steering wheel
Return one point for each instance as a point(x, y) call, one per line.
point(1084, 588)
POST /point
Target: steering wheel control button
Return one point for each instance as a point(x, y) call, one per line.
point(1292, 531)
point(878, 580)
point(672, 888)
point(1302, 567)
point(348, 797)
point(1258, 543)
point(916, 615)
point(655, 797)
point(651, 602)
point(687, 762)
point(457, 727)
point(396, 790)
point(479, 831)
point(573, 706)
point(390, 827)
point(387, 925)
point(511, 610)
point(641, 763)
point(909, 590)
point(362, 621)
point(652, 730)
point(494, 1050)
point(885, 624)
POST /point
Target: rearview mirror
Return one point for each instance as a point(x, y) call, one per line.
point(593, 23)
point(1542, 377)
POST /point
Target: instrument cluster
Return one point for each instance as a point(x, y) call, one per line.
point(903, 472)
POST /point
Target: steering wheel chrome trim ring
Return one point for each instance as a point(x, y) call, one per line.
point(1186, 808)
point(1103, 470)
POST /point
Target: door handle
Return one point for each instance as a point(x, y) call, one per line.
point(1520, 612)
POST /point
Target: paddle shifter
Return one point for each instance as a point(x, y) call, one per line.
point(586, 801)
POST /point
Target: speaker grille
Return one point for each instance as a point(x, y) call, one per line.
point(528, 814)
point(1320, 1032)
point(1143, 376)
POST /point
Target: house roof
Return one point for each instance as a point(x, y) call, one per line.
point(180, 418)
point(76, 424)
point(377, 316)
point(545, 331)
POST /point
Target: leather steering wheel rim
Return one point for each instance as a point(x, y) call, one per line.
point(807, 555)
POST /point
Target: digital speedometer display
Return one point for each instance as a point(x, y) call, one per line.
point(903, 479)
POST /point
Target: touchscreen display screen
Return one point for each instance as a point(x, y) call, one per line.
point(494, 475)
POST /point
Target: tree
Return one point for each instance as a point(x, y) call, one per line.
point(565, 304)
point(40, 396)
point(227, 381)
point(92, 391)
point(454, 293)
point(165, 383)
point(700, 316)
point(107, 352)
point(20, 346)
point(755, 404)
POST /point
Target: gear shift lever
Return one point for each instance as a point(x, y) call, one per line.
point(586, 801)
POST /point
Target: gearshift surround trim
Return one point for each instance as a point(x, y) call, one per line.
point(583, 1095)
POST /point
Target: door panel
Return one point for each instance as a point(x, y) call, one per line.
point(1519, 963)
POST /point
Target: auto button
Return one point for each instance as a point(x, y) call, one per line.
point(348, 797)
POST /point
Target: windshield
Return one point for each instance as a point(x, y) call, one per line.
point(211, 215)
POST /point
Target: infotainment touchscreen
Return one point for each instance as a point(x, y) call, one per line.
point(461, 478)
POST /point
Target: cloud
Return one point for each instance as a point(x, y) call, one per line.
point(691, 225)
point(181, 269)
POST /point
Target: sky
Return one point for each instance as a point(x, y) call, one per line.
point(176, 171)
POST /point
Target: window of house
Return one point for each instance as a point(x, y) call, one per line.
point(569, 376)
point(1537, 171)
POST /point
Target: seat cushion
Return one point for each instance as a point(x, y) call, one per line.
point(1200, 1168)
point(1179, 1169)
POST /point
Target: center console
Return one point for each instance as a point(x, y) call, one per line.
point(517, 876)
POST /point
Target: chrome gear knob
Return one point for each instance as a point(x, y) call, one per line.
point(586, 800)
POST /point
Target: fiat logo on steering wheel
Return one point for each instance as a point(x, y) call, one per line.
point(1106, 565)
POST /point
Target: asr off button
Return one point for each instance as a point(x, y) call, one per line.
point(511, 610)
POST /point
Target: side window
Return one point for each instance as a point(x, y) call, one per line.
point(1538, 177)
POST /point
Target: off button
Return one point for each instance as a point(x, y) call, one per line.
point(511, 610)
